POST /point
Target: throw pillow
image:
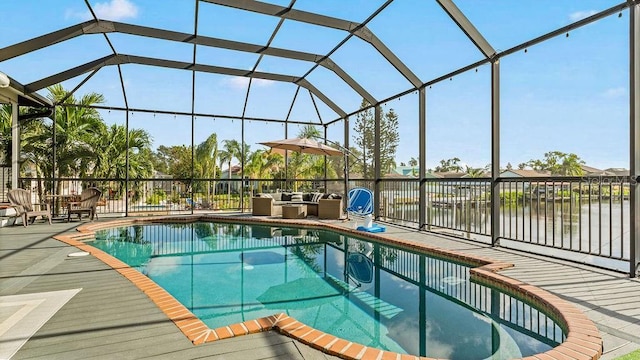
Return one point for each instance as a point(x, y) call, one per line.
point(286, 196)
point(296, 196)
point(316, 197)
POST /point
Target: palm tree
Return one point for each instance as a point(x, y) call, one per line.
point(474, 172)
point(571, 165)
point(310, 132)
point(110, 160)
point(558, 163)
point(306, 166)
point(263, 164)
point(413, 163)
point(449, 165)
point(5, 134)
point(231, 151)
point(75, 127)
point(27, 130)
point(224, 157)
point(205, 160)
point(37, 155)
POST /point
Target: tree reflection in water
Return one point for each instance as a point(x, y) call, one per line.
point(120, 245)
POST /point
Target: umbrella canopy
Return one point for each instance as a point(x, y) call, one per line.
point(303, 145)
point(300, 294)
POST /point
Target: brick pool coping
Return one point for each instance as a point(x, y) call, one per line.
point(583, 340)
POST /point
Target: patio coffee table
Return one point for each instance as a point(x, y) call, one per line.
point(294, 211)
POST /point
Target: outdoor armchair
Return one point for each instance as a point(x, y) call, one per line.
point(20, 199)
point(87, 204)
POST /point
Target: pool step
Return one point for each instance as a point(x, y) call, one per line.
point(7, 215)
point(7, 220)
point(380, 306)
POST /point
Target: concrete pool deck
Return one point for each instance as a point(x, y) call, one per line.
point(111, 317)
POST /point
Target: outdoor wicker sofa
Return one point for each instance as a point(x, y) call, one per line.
point(324, 206)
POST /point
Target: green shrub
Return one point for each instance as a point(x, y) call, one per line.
point(511, 197)
point(155, 199)
point(160, 192)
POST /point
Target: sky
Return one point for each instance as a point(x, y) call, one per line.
point(568, 94)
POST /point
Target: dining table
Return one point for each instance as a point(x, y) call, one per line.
point(58, 202)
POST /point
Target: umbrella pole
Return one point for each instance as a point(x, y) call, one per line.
point(346, 152)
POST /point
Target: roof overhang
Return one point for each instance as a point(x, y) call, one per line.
point(15, 92)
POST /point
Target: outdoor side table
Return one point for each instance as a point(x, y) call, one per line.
point(294, 211)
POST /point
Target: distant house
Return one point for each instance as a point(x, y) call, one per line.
point(409, 172)
point(223, 186)
point(448, 174)
point(588, 170)
point(591, 171)
point(404, 171)
point(160, 182)
point(516, 173)
point(617, 171)
point(395, 175)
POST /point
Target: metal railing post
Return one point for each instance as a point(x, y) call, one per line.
point(422, 156)
point(347, 168)
point(495, 152)
point(377, 165)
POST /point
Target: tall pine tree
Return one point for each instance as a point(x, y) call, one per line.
point(365, 140)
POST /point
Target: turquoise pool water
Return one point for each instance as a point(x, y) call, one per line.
point(373, 294)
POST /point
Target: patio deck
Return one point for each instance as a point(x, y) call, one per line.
point(111, 318)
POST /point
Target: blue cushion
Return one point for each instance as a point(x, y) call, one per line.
point(374, 229)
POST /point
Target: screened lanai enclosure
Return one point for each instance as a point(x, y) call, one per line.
point(510, 123)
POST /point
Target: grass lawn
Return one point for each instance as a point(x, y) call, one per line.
point(630, 356)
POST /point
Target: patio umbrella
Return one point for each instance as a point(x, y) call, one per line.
point(310, 146)
point(303, 145)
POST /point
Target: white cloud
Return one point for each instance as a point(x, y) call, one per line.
point(75, 14)
point(116, 10)
point(579, 15)
point(110, 10)
point(163, 266)
point(241, 82)
point(615, 92)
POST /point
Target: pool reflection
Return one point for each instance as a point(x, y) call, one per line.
point(370, 293)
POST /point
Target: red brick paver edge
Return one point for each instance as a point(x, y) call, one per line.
point(583, 339)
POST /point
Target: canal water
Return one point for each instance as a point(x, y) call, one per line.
point(600, 229)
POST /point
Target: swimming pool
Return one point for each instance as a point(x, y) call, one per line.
point(369, 293)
